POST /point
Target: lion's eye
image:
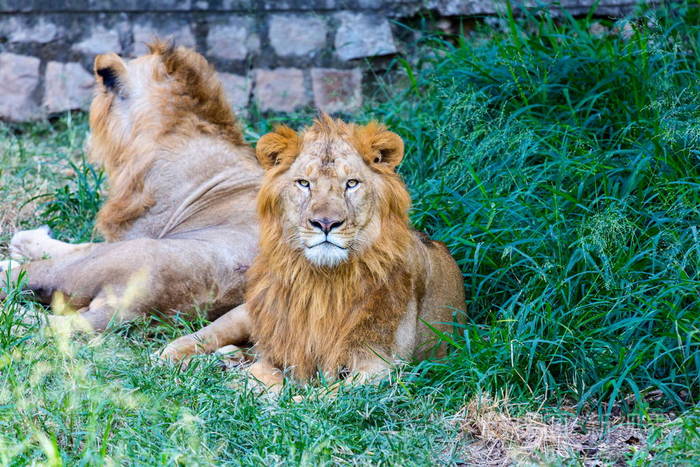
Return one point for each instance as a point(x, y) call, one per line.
point(303, 183)
point(352, 183)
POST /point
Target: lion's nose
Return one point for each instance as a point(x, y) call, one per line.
point(326, 224)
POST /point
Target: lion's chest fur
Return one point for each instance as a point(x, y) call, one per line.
point(328, 324)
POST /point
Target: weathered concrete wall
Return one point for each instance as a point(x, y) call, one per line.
point(284, 54)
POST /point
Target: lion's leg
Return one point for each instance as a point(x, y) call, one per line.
point(46, 278)
point(42, 275)
point(107, 308)
point(37, 244)
point(138, 276)
point(267, 374)
point(104, 309)
point(96, 281)
point(232, 328)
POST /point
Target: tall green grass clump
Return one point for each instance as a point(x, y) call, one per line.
point(71, 209)
point(561, 165)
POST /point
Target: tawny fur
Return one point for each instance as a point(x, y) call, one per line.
point(179, 218)
point(310, 318)
point(190, 103)
point(360, 315)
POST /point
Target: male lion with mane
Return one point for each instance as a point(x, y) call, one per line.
point(341, 284)
point(179, 219)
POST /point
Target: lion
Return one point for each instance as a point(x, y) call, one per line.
point(179, 220)
point(341, 286)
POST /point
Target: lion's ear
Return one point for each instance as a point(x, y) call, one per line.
point(110, 72)
point(379, 145)
point(273, 148)
point(390, 147)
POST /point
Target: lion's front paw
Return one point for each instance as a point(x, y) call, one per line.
point(31, 244)
point(178, 351)
point(231, 356)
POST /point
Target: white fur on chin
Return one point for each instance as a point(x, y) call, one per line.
point(326, 254)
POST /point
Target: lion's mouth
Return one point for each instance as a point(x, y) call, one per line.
point(327, 243)
point(326, 253)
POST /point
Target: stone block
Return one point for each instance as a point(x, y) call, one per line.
point(297, 35)
point(67, 86)
point(237, 89)
point(100, 41)
point(238, 5)
point(95, 5)
point(145, 33)
point(598, 30)
point(233, 40)
point(337, 90)
point(280, 89)
point(19, 29)
point(19, 77)
point(468, 7)
point(363, 35)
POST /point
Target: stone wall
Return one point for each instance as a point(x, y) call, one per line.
point(283, 54)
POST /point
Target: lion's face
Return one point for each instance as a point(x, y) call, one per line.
point(329, 202)
point(328, 190)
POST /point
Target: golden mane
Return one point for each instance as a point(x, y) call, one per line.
point(191, 103)
point(201, 100)
point(310, 317)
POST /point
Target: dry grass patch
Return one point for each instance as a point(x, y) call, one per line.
point(495, 435)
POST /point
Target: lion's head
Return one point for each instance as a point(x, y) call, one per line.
point(145, 106)
point(171, 90)
point(331, 192)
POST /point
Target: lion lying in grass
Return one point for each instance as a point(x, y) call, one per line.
point(179, 220)
point(341, 285)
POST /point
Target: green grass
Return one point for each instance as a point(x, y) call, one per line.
point(561, 168)
point(563, 172)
